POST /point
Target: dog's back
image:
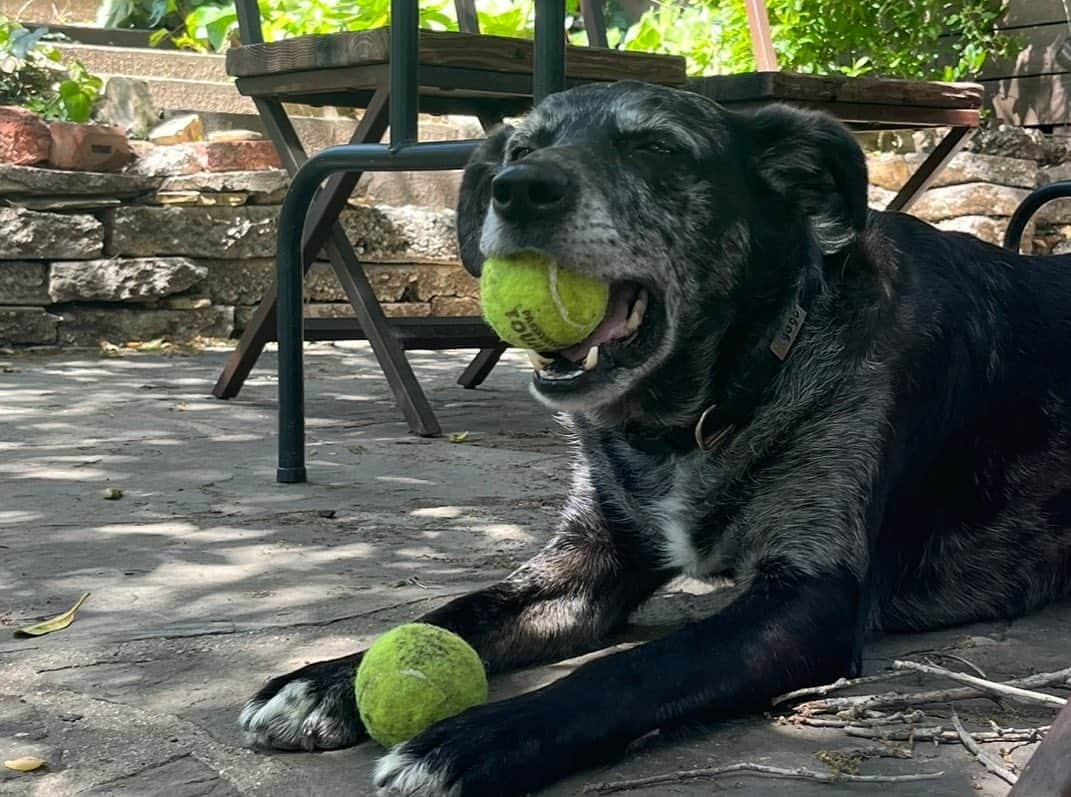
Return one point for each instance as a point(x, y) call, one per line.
point(978, 511)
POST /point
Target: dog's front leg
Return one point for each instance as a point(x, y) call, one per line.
point(562, 602)
point(786, 630)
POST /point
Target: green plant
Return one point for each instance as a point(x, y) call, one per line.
point(929, 39)
point(209, 25)
point(34, 75)
point(925, 39)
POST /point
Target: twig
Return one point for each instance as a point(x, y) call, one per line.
point(962, 660)
point(939, 735)
point(837, 685)
point(900, 717)
point(846, 760)
point(860, 703)
point(985, 759)
point(990, 687)
point(749, 768)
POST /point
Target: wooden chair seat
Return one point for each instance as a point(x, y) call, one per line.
point(341, 68)
point(862, 102)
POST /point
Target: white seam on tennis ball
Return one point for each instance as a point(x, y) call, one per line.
point(552, 278)
point(414, 674)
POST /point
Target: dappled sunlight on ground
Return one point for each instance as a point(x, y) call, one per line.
point(207, 577)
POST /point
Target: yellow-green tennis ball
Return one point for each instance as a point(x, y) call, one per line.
point(412, 677)
point(532, 302)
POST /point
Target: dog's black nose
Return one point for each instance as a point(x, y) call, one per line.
point(530, 192)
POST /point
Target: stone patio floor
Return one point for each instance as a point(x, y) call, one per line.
point(207, 577)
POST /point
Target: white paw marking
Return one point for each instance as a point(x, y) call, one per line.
point(279, 722)
point(400, 774)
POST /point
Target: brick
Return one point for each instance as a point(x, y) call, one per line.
point(236, 156)
point(89, 148)
point(24, 138)
point(39, 182)
point(88, 325)
point(969, 199)
point(178, 130)
point(24, 283)
point(153, 161)
point(29, 235)
point(27, 326)
point(390, 309)
point(123, 280)
point(456, 306)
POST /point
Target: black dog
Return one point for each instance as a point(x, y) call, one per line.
point(863, 422)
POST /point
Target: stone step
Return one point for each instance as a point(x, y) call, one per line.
point(111, 37)
point(70, 12)
point(149, 63)
point(181, 82)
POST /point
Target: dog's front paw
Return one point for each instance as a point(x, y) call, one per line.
point(403, 772)
point(308, 709)
point(497, 750)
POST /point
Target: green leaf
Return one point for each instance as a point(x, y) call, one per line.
point(77, 101)
point(218, 29)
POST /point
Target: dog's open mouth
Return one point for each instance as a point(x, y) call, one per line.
point(622, 339)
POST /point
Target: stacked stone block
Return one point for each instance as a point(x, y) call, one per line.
point(92, 257)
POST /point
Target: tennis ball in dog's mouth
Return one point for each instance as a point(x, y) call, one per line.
point(530, 301)
point(414, 676)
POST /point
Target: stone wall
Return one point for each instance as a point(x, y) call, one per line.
point(87, 258)
point(980, 188)
point(169, 250)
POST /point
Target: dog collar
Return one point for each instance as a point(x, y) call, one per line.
point(718, 421)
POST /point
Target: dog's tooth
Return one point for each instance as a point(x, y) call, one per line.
point(538, 361)
point(639, 307)
point(592, 359)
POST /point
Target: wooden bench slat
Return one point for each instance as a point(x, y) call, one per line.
point(773, 86)
point(448, 49)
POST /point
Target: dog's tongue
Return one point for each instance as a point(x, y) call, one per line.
point(612, 327)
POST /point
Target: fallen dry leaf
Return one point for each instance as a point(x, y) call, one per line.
point(157, 344)
point(27, 763)
point(110, 350)
point(57, 623)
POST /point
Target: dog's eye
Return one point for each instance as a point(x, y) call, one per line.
point(518, 153)
point(655, 147)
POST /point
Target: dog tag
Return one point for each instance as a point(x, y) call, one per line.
point(782, 344)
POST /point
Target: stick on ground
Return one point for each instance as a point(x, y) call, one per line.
point(984, 758)
point(983, 685)
point(860, 703)
point(837, 685)
point(749, 768)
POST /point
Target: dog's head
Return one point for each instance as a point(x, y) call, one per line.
point(699, 218)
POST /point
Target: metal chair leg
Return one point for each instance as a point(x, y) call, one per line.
point(322, 215)
point(945, 150)
point(480, 367)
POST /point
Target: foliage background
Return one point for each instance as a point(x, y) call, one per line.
point(34, 76)
point(926, 39)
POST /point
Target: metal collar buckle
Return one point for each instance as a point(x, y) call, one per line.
point(709, 442)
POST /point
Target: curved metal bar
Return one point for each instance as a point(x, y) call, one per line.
point(436, 156)
point(1013, 236)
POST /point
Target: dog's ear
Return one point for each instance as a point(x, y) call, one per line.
point(814, 161)
point(475, 196)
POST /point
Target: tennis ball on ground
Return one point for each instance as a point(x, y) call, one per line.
point(532, 302)
point(412, 677)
